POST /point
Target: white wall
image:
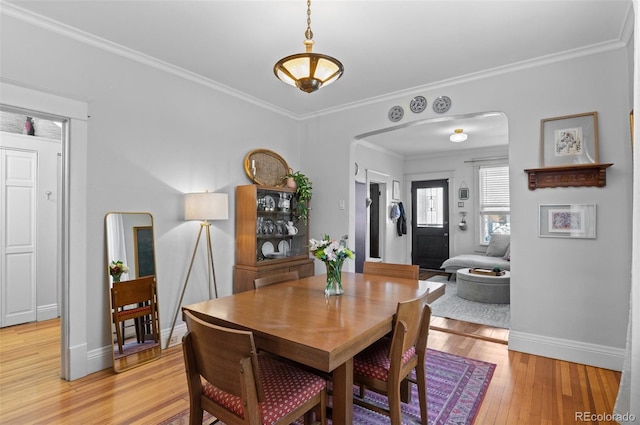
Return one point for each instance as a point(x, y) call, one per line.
point(569, 297)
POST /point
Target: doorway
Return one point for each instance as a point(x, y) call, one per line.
point(376, 191)
point(361, 225)
point(29, 189)
point(430, 223)
point(71, 228)
point(374, 221)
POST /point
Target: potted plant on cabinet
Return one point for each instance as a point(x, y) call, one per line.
point(302, 185)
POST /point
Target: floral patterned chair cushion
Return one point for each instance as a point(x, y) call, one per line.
point(285, 388)
point(374, 361)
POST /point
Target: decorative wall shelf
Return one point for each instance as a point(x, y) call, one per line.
point(581, 175)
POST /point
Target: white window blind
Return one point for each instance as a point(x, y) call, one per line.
point(494, 189)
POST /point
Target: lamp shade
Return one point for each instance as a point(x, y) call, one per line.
point(206, 206)
point(308, 71)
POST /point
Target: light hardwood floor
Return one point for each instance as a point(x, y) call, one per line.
point(525, 389)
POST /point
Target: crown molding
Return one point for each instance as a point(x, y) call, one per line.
point(481, 75)
point(131, 54)
point(368, 145)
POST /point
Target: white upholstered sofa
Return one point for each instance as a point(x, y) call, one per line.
point(498, 254)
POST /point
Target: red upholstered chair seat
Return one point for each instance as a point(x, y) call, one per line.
point(131, 313)
point(374, 361)
point(285, 388)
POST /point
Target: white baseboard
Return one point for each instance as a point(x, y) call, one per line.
point(572, 351)
point(77, 356)
point(102, 358)
point(47, 312)
point(178, 332)
point(99, 359)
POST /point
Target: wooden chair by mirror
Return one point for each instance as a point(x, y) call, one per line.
point(135, 300)
point(238, 381)
point(275, 278)
point(130, 243)
point(405, 271)
point(386, 365)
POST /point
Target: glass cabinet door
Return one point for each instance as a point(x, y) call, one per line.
point(280, 232)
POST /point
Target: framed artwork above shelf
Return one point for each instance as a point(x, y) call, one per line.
point(581, 175)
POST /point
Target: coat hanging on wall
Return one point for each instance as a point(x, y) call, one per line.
point(402, 221)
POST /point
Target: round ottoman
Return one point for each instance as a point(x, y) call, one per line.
point(483, 288)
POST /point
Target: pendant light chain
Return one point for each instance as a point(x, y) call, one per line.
point(308, 33)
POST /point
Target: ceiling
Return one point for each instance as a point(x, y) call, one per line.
point(388, 48)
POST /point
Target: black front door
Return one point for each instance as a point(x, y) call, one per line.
point(430, 223)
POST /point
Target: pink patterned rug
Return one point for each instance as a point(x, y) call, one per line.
point(455, 389)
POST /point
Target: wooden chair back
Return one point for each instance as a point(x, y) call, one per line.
point(134, 291)
point(218, 355)
point(411, 329)
point(227, 359)
point(132, 299)
point(275, 278)
point(408, 326)
point(405, 271)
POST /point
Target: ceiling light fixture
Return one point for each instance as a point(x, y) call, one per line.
point(458, 136)
point(308, 71)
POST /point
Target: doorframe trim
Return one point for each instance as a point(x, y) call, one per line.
point(374, 176)
point(73, 240)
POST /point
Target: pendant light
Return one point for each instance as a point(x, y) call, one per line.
point(458, 136)
point(308, 71)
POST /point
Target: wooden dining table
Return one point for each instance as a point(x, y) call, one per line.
point(297, 321)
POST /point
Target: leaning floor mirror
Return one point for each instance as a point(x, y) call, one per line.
point(133, 299)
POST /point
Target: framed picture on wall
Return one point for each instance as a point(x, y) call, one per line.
point(396, 190)
point(568, 221)
point(569, 140)
point(463, 193)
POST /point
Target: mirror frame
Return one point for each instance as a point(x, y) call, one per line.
point(136, 358)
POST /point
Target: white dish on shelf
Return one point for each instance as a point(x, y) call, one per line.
point(269, 203)
point(267, 248)
point(283, 247)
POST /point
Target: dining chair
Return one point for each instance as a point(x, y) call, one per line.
point(386, 365)
point(241, 386)
point(275, 278)
point(405, 271)
point(134, 299)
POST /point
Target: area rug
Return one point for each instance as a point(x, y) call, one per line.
point(455, 389)
point(452, 306)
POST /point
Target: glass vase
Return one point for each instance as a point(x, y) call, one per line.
point(116, 278)
point(334, 278)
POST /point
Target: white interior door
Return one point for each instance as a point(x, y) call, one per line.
point(18, 236)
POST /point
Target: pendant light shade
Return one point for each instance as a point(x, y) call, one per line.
point(308, 71)
point(458, 136)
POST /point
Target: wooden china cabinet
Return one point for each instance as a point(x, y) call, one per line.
point(270, 237)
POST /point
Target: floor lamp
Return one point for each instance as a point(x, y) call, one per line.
point(202, 207)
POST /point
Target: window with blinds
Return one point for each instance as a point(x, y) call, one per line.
point(494, 202)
